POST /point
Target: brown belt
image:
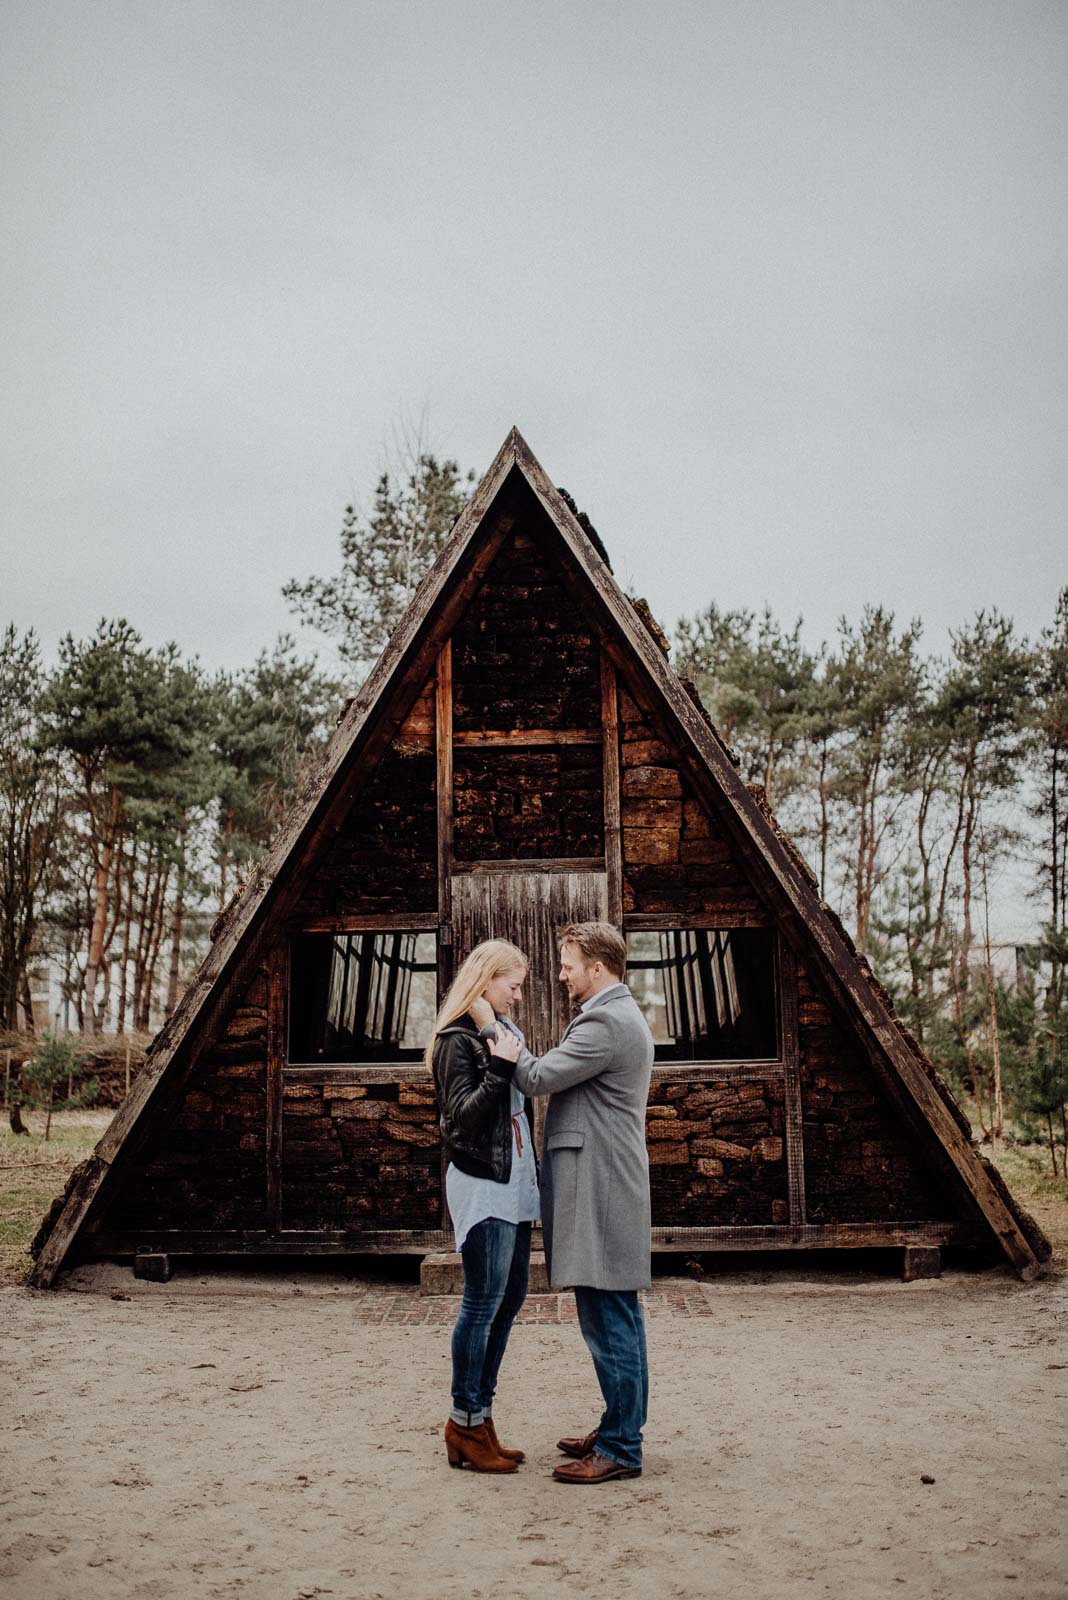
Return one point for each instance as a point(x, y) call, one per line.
point(518, 1134)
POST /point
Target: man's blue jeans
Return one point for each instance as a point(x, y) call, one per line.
point(614, 1330)
point(496, 1257)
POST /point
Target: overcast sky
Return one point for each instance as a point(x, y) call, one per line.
point(777, 291)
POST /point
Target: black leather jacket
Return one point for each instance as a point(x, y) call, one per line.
point(474, 1102)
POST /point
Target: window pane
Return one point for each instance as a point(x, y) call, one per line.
point(707, 994)
point(361, 996)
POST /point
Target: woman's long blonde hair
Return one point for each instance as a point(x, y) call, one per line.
point(488, 960)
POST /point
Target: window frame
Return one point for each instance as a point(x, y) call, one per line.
point(754, 1067)
point(391, 1066)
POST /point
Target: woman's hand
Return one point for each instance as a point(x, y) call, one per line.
point(506, 1046)
point(482, 1013)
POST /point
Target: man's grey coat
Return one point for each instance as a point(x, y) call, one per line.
point(594, 1165)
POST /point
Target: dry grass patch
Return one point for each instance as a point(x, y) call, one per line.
point(33, 1171)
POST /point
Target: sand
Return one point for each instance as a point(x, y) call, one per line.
point(280, 1437)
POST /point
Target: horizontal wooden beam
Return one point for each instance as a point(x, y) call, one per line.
point(668, 921)
point(247, 1242)
point(519, 738)
point(818, 1236)
point(698, 1072)
point(400, 1241)
point(537, 864)
point(357, 1072)
point(368, 922)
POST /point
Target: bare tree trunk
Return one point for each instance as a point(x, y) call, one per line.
point(27, 1002)
point(228, 834)
point(998, 1117)
point(825, 823)
point(769, 769)
point(154, 924)
point(176, 937)
point(124, 979)
point(101, 875)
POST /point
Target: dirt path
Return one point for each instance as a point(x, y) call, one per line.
point(276, 1438)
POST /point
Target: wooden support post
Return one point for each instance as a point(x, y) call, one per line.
point(443, 740)
point(921, 1261)
point(7, 1079)
point(152, 1265)
point(613, 851)
point(786, 968)
point(277, 1000)
point(127, 1089)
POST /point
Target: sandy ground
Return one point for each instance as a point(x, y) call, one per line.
point(280, 1437)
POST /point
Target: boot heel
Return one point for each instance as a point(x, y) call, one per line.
point(455, 1458)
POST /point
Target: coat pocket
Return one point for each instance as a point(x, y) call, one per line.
point(566, 1139)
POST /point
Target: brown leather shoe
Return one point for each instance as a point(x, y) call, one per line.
point(473, 1447)
point(578, 1447)
point(593, 1469)
point(502, 1450)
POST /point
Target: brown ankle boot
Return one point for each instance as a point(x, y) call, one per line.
point(473, 1447)
point(502, 1450)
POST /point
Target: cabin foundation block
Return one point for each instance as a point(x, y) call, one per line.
point(921, 1261)
point(443, 1273)
point(153, 1266)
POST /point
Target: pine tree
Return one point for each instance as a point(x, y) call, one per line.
point(384, 557)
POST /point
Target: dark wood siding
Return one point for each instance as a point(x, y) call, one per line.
point(675, 857)
point(204, 1166)
point(862, 1163)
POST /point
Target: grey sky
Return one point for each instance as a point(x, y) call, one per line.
point(777, 291)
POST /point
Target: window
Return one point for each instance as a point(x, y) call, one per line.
point(356, 997)
point(707, 994)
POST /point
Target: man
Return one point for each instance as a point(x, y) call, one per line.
point(595, 1185)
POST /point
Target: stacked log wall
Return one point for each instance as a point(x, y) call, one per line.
point(862, 1163)
point(523, 654)
point(716, 1154)
point(361, 1156)
point(384, 858)
point(676, 857)
point(204, 1167)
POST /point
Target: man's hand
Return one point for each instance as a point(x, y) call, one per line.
point(482, 1013)
point(506, 1046)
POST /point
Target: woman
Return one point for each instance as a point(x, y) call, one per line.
point(492, 1189)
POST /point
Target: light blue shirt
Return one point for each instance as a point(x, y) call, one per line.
point(471, 1200)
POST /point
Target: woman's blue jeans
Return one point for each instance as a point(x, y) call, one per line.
point(496, 1258)
point(614, 1330)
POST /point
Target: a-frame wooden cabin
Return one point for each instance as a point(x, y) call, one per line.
point(523, 755)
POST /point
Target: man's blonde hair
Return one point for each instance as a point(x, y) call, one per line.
point(598, 941)
point(488, 960)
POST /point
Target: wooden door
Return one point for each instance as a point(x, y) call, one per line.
point(530, 909)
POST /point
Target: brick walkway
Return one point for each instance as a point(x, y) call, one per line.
point(407, 1307)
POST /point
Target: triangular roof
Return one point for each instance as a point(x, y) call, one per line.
point(365, 728)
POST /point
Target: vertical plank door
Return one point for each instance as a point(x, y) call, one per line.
point(529, 909)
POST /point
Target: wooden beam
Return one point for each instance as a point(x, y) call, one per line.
point(921, 1261)
point(520, 738)
point(444, 782)
point(545, 864)
point(253, 1242)
point(667, 921)
point(718, 1072)
point(613, 833)
point(786, 979)
point(367, 922)
point(354, 1072)
point(332, 1241)
point(277, 1009)
point(826, 1236)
